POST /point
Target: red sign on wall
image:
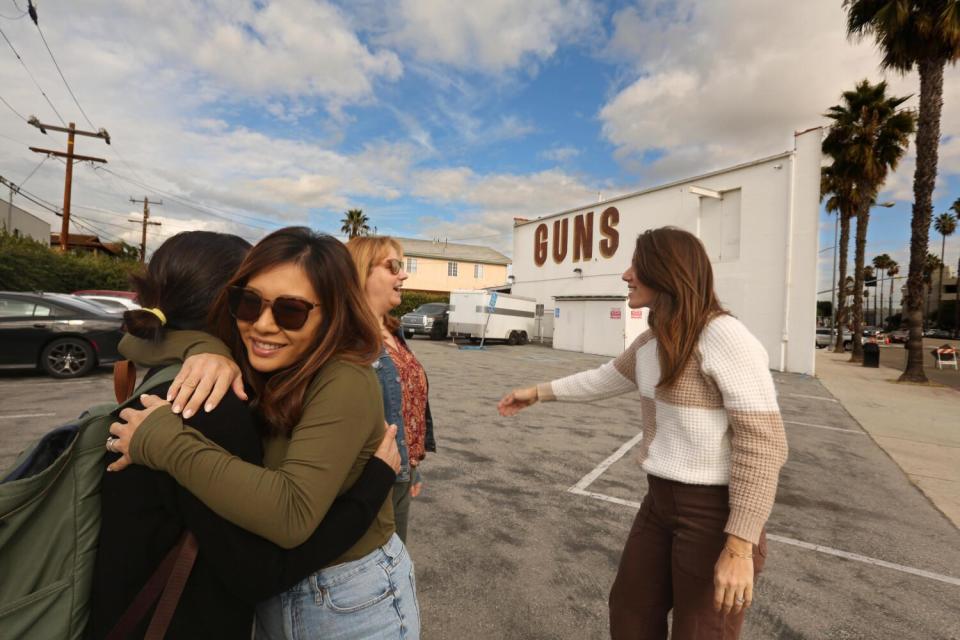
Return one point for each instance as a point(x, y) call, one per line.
point(614, 314)
point(636, 314)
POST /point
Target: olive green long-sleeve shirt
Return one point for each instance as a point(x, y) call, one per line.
point(341, 427)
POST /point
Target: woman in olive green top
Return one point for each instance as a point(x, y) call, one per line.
point(296, 321)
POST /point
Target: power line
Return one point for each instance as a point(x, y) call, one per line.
point(16, 113)
point(24, 181)
point(207, 209)
point(20, 142)
point(32, 77)
point(22, 15)
point(62, 77)
point(106, 222)
point(89, 226)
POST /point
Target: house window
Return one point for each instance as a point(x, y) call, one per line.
point(478, 271)
point(411, 265)
point(452, 269)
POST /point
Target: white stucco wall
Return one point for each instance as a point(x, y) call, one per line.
point(762, 237)
point(16, 220)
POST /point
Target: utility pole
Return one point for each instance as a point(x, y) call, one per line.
point(9, 226)
point(145, 221)
point(71, 131)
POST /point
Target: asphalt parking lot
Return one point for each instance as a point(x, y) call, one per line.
point(504, 549)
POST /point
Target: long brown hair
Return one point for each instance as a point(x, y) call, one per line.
point(367, 253)
point(348, 331)
point(673, 263)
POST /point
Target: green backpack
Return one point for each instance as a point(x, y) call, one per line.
point(50, 524)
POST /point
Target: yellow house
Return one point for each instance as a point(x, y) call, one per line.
point(441, 267)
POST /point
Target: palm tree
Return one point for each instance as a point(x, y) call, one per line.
point(869, 135)
point(892, 269)
point(355, 223)
point(931, 264)
point(945, 224)
point(841, 202)
point(880, 264)
point(925, 34)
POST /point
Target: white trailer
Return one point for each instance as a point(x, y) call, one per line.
point(479, 314)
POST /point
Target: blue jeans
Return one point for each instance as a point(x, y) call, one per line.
point(373, 598)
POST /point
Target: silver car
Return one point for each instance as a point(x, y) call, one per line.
point(826, 337)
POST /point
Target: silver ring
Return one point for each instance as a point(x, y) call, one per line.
point(739, 600)
point(112, 444)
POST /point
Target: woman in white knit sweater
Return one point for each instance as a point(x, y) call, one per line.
point(713, 444)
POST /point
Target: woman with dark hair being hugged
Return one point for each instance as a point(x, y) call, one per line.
point(403, 381)
point(144, 512)
point(296, 322)
point(713, 445)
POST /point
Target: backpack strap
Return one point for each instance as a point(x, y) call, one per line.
point(186, 556)
point(124, 379)
point(165, 375)
point(167, 584)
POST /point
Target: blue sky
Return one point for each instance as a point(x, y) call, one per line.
point(436, 118)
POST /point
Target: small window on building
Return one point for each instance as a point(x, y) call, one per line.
point(411, 265)
point(478, 271)
point(452, 269)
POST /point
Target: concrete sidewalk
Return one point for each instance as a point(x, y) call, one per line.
point(918, 426)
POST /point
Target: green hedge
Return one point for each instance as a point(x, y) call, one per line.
point(28, 265)
point(413, 299)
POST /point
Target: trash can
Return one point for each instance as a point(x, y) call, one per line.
point(871, 355)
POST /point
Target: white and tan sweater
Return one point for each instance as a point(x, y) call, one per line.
point(718, 424)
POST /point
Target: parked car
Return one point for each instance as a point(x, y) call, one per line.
point(428, 319)
point(110, 303)
point(129, 295)
point(939, 334)
point(827, 336)
point(899, 336)
point(65, 336)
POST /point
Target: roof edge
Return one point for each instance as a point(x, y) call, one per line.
point(669, 185)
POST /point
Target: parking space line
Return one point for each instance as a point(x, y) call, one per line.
point(823, 426)
point(586, 480)
point(28, 415)
point(581, 489)
point(865, 559)
point(802, 395)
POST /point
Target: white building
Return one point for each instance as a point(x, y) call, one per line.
point(22, 223)
point(758, 221)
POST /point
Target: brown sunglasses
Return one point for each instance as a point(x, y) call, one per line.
point(289, 313)
point(394, 265)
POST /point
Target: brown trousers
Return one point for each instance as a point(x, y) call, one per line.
point(668, 563)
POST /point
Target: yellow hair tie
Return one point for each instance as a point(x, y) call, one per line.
point(158, 313)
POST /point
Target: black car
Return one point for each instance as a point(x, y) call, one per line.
point(428, 319)
point(64, 335)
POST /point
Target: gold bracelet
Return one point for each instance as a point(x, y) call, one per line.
point(735, 554)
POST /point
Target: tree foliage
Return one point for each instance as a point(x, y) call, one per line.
point(28, 265)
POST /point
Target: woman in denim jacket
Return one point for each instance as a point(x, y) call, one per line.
point(403, 381)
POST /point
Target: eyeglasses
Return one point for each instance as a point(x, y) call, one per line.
point(289, 313)
point(394, 265)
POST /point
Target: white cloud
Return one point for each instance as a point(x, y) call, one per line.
point(291, 48)
point(490, 36)
point(487, 204)
point(560, 154)
point(721, 83)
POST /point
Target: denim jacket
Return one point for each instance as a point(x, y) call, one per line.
point(393, 410)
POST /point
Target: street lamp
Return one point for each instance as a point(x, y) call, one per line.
point(834, 293)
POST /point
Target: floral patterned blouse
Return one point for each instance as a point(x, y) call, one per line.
point(413, 383)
